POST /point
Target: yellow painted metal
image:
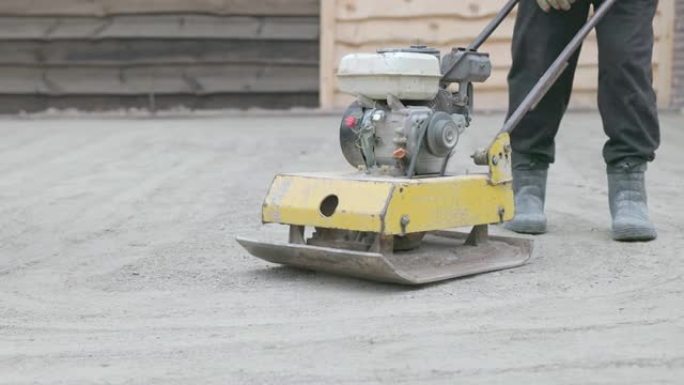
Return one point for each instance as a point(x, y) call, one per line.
point(297, 199)
point(388, 205)
point(448, 202)
point(499, 160)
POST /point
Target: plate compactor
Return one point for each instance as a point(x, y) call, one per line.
point(389, 220)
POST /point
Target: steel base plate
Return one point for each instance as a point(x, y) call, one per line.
point(442, 256)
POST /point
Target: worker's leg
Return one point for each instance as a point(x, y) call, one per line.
point(626, 97)
point(630, 118)
point(538, 40)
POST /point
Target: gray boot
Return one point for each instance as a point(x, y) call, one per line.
point(530, 192)
point(628, 204)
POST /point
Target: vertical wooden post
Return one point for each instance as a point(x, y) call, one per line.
point(665, 59)
point(327, 52)
point(677, 80)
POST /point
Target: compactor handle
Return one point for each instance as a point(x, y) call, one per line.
point(493, 25)
point(556, 70)
point(485, 34)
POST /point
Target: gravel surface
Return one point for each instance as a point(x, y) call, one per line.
point(118, 265)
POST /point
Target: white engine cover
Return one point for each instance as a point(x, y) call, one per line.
point(406, 75)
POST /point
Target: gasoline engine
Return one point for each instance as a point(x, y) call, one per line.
point(412, 106)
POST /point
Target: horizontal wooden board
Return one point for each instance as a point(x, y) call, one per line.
point(412, 9)
point(113, 7)
point(586, 79)
point(390, 9)
point(500, 53)
point(437, 30)
point(496, 100)
point(433, 31)
point(158, 79)
point(160, 27)
point(12, 104)
point(158, 51)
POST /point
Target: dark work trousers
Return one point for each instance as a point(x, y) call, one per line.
point(625, 86)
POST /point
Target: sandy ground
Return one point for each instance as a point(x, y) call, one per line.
point(118, 265)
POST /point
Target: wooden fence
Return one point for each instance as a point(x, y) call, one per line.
point(100, 54)
point(96, 54)
point(359, 25)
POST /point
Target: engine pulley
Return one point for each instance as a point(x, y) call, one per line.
point(442, 134)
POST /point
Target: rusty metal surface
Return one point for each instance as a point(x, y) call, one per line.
point(442, 256)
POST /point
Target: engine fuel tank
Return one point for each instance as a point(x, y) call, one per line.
point(405, 75)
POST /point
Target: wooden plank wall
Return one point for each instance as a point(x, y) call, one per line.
point(102, 54)
point(678, 58)
point(363, 26)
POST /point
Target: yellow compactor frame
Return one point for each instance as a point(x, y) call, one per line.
point(386, 206)
point(390, 207)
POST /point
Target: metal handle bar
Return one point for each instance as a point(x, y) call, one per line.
point(556, 70)
point(488, 30)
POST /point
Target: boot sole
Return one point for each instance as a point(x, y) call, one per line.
point(531, 229)
point(635, 234)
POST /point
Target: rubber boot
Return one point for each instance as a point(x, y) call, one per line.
point(529, 187)
point(628, 203)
